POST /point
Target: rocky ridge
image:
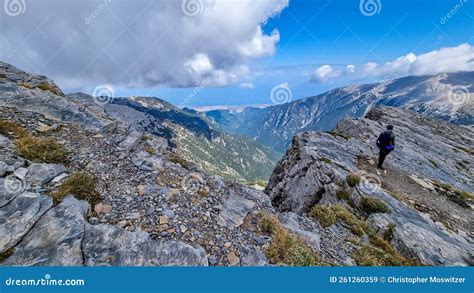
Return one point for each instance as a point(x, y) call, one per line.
point(315, 168)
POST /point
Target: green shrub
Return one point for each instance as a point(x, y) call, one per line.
point(81, 185)
point(41, 150)
point(326, 160)
point(343, 194)
point(324, 214)
point(352, 179)
point(372, 205)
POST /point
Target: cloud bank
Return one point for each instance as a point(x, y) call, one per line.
point(444, 60)
point(140, 43)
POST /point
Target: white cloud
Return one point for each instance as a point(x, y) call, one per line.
point(140, 43)
point(247, 85)
point(324, 73)
point(452, 59)
point(444, 60)
point(350, 68)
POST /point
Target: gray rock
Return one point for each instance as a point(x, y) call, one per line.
point(10, 187)
point(56, 238)
point(21, 173)
point(235, 209)
point(5, 142)
point(212, 260)
point(3, 168)
point(159, 144)
point(51, 102)
point(168, 213)
point(132, 139)
point(293, 223)
point(40, 174)
point(106, 245)
point(144, 161)
point(19, 216)
point(251, 257)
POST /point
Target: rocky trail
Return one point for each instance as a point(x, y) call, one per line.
point(78, 187)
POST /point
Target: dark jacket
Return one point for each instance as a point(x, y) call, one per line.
point(381, 144)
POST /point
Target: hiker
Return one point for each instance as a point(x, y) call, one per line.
point(386, 144)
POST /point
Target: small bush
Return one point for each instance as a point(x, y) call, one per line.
point(150, 150)
point(342, 194)
point(6, 254)
point(268, 224)
point(372, 205)
point(8, 127)
point(81, 186)
point(286, 248)
point(324, 214)
point(372, 256)
point(326, 160)
point(177, 159)
point(41, 150)
point(353, 179)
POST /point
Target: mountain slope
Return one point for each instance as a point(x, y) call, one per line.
point(445, 96)
point(423, 190)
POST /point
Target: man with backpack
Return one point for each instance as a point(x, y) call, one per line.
point(386, 144)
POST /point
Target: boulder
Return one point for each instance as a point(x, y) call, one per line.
point(106, 245)
point(56, 238)
point(19, 216)
point(234, 211)
point(130, 141)
point(40, 174)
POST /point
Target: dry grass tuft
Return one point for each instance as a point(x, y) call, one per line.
point(286, 248)
point(41, 150)
point(81, 185)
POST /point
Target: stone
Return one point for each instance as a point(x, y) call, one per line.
point(422, 182)
point(59, 178)
point(3, 168)
point(251, 257)
point(163, 220)
point(40, 174)
point(102, 209)
point(21, 173)
point(130, 141)
point(144, 161)
point(212, 260)
point(233, 259)
point(293, 223)
point(5, 142)
point(106, 245)
point(235, 209)
point(56, 238)
point(10, 187)
point(19, 216)
point(168, 213)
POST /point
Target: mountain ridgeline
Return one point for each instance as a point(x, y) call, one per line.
point(445, 96)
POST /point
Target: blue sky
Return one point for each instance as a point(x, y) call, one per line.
point(146, 48)
point(335, 32)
